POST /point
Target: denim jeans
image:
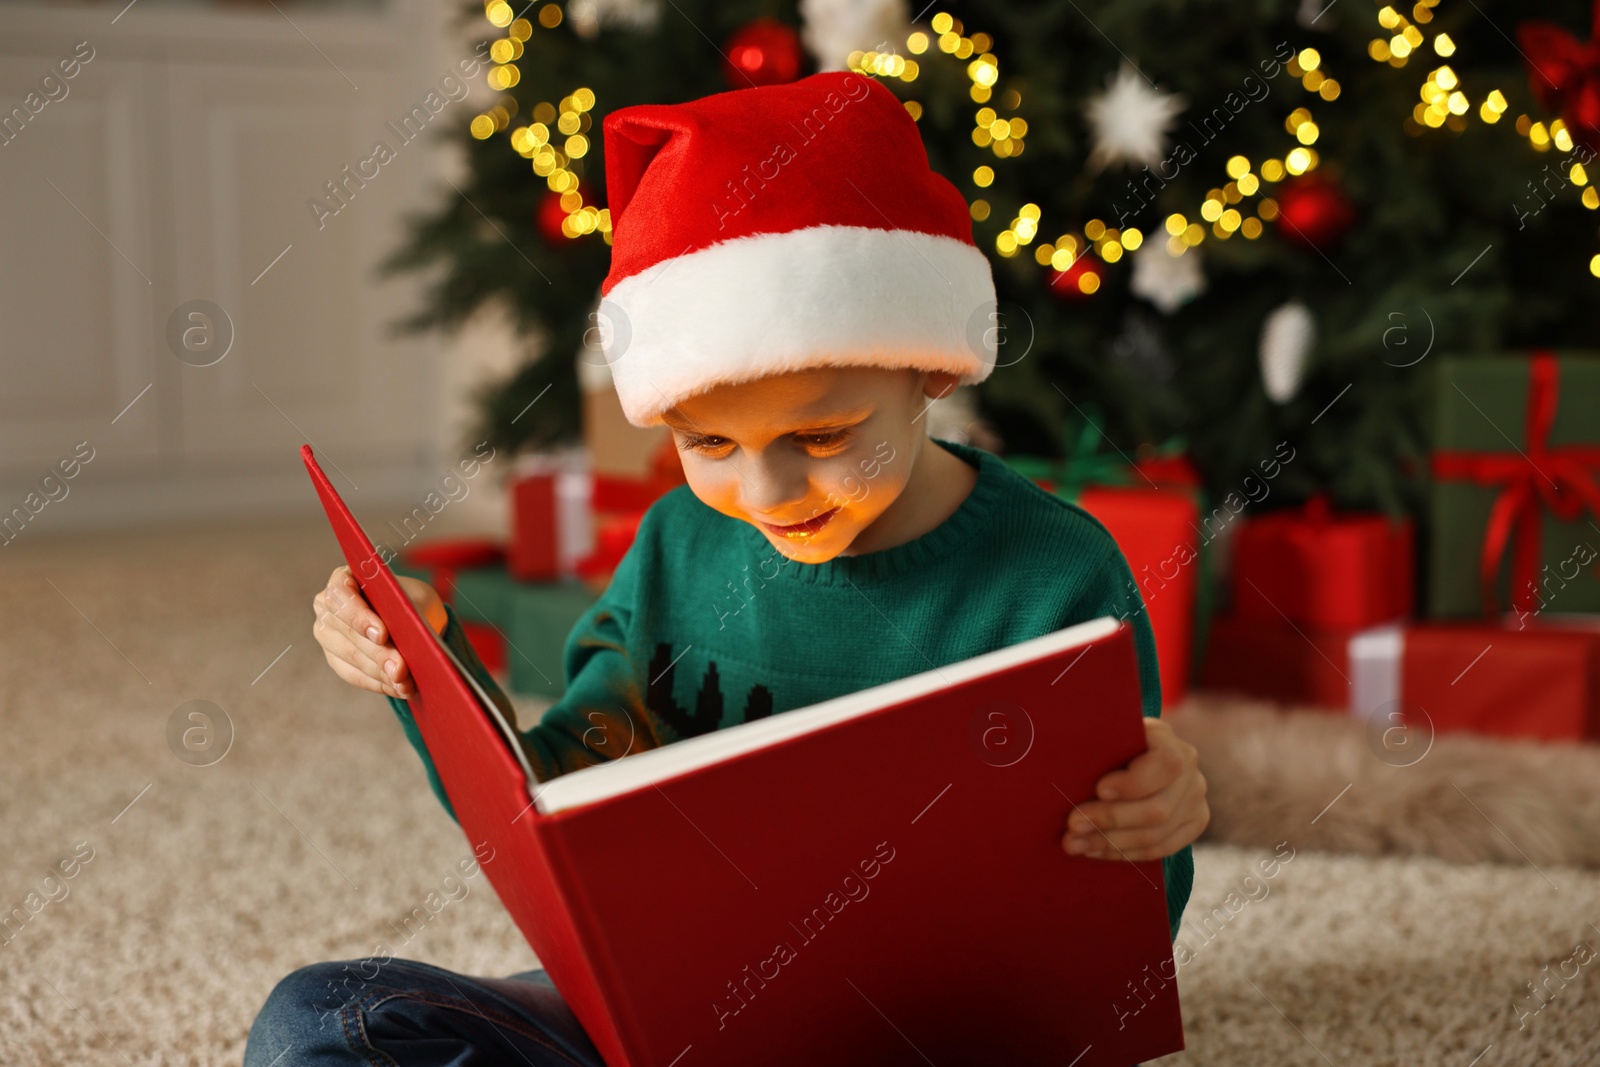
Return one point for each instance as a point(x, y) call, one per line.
point(413, 1014)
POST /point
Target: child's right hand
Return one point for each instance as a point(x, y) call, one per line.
point(355, 641)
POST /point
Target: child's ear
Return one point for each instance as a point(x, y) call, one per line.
point(936, 384)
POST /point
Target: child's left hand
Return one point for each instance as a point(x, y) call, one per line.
point(1150, 809)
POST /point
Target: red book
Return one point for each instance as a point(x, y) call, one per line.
point(877, 878)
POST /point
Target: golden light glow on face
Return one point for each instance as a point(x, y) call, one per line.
point(832, 444)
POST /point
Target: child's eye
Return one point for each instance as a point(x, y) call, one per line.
point(823, 440)
point(703, 442)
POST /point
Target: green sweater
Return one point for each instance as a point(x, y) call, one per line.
point(705, 625)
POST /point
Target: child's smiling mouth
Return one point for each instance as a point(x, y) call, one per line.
point(802, 530)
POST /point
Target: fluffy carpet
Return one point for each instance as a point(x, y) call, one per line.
point(195, 887)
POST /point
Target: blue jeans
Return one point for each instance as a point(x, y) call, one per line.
point(414, 1015)
point(410, 1014)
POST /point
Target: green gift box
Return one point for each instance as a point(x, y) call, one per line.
point(405, 569)
point(540, 615)
point(483, 594)
point(534, 617)
point(1514, 501)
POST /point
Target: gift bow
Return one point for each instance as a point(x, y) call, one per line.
point(1084, 465)
point(1563, 71)
point(1560, 478)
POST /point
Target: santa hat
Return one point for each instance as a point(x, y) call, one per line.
point(778, 228)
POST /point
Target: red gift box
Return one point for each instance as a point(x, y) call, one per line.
point(487, 642)
point(1154, 528)
point(619, 502)
point(1274, 661)
point(550, 518)
point(535, 527)
point(443, 559)
point(614, 493)
point(1321, 568)
point(613, 537)
point(1540, 682)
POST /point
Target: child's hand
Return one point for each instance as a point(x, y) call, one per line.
point(355, 641)
point(1150, 809)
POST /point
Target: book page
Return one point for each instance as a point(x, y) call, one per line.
point(577, 788)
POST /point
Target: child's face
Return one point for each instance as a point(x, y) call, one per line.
point(830, 448)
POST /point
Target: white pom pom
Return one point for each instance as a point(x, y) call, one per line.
point(1129, 121)
point(589, 16)
point(834, 28)
point(1286, 338)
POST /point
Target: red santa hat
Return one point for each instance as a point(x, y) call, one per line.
point(778, 228)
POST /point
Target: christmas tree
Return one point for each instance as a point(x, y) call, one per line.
point(1213, 227)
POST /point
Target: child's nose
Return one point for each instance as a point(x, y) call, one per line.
point(774, 488)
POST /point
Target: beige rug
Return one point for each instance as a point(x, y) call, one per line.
point(317, 831)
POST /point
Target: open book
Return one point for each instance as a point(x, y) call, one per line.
point(875, 879)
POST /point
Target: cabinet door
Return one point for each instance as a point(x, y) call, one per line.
point(310, 359)
point(77, 270)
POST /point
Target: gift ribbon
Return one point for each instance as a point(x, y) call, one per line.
point(1563, 71)
point(1084, 465)
point(1559, 478)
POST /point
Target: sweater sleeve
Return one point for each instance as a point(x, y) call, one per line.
point(1112, 591)
point(592, 722)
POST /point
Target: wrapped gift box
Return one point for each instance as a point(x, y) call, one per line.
point(1516, 457)
point(487, 641)
point(552, 524)
point(541, 615)
point(618, 503)
point(1540, 682)
point(1321, 568)
point(1275, 661)
point(614, 538)
point(1150, 508)
point(525, 624)
point(439, 562)
point(444, 565)
point(613, 445)
point(483, 595)
point(1154, 528)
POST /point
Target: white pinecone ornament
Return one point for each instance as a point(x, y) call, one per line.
point(1287, 334)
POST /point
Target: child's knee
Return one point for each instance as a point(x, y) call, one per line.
point(303, 1011)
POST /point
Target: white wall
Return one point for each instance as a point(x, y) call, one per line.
point(179, 166)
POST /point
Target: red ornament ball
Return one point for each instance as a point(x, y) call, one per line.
point(549, 216)
point(764, 52)
point(1079, 281)
point(1314, 212)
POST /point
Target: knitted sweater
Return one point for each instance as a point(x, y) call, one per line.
point(705, 625)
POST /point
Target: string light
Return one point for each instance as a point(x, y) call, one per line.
point(1022, 230)
point(568, 120)
point(1445, 102)
point(886, 64)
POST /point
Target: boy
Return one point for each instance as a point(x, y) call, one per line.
point(791, 337)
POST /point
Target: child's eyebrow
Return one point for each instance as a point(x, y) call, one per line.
point(835, 422)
